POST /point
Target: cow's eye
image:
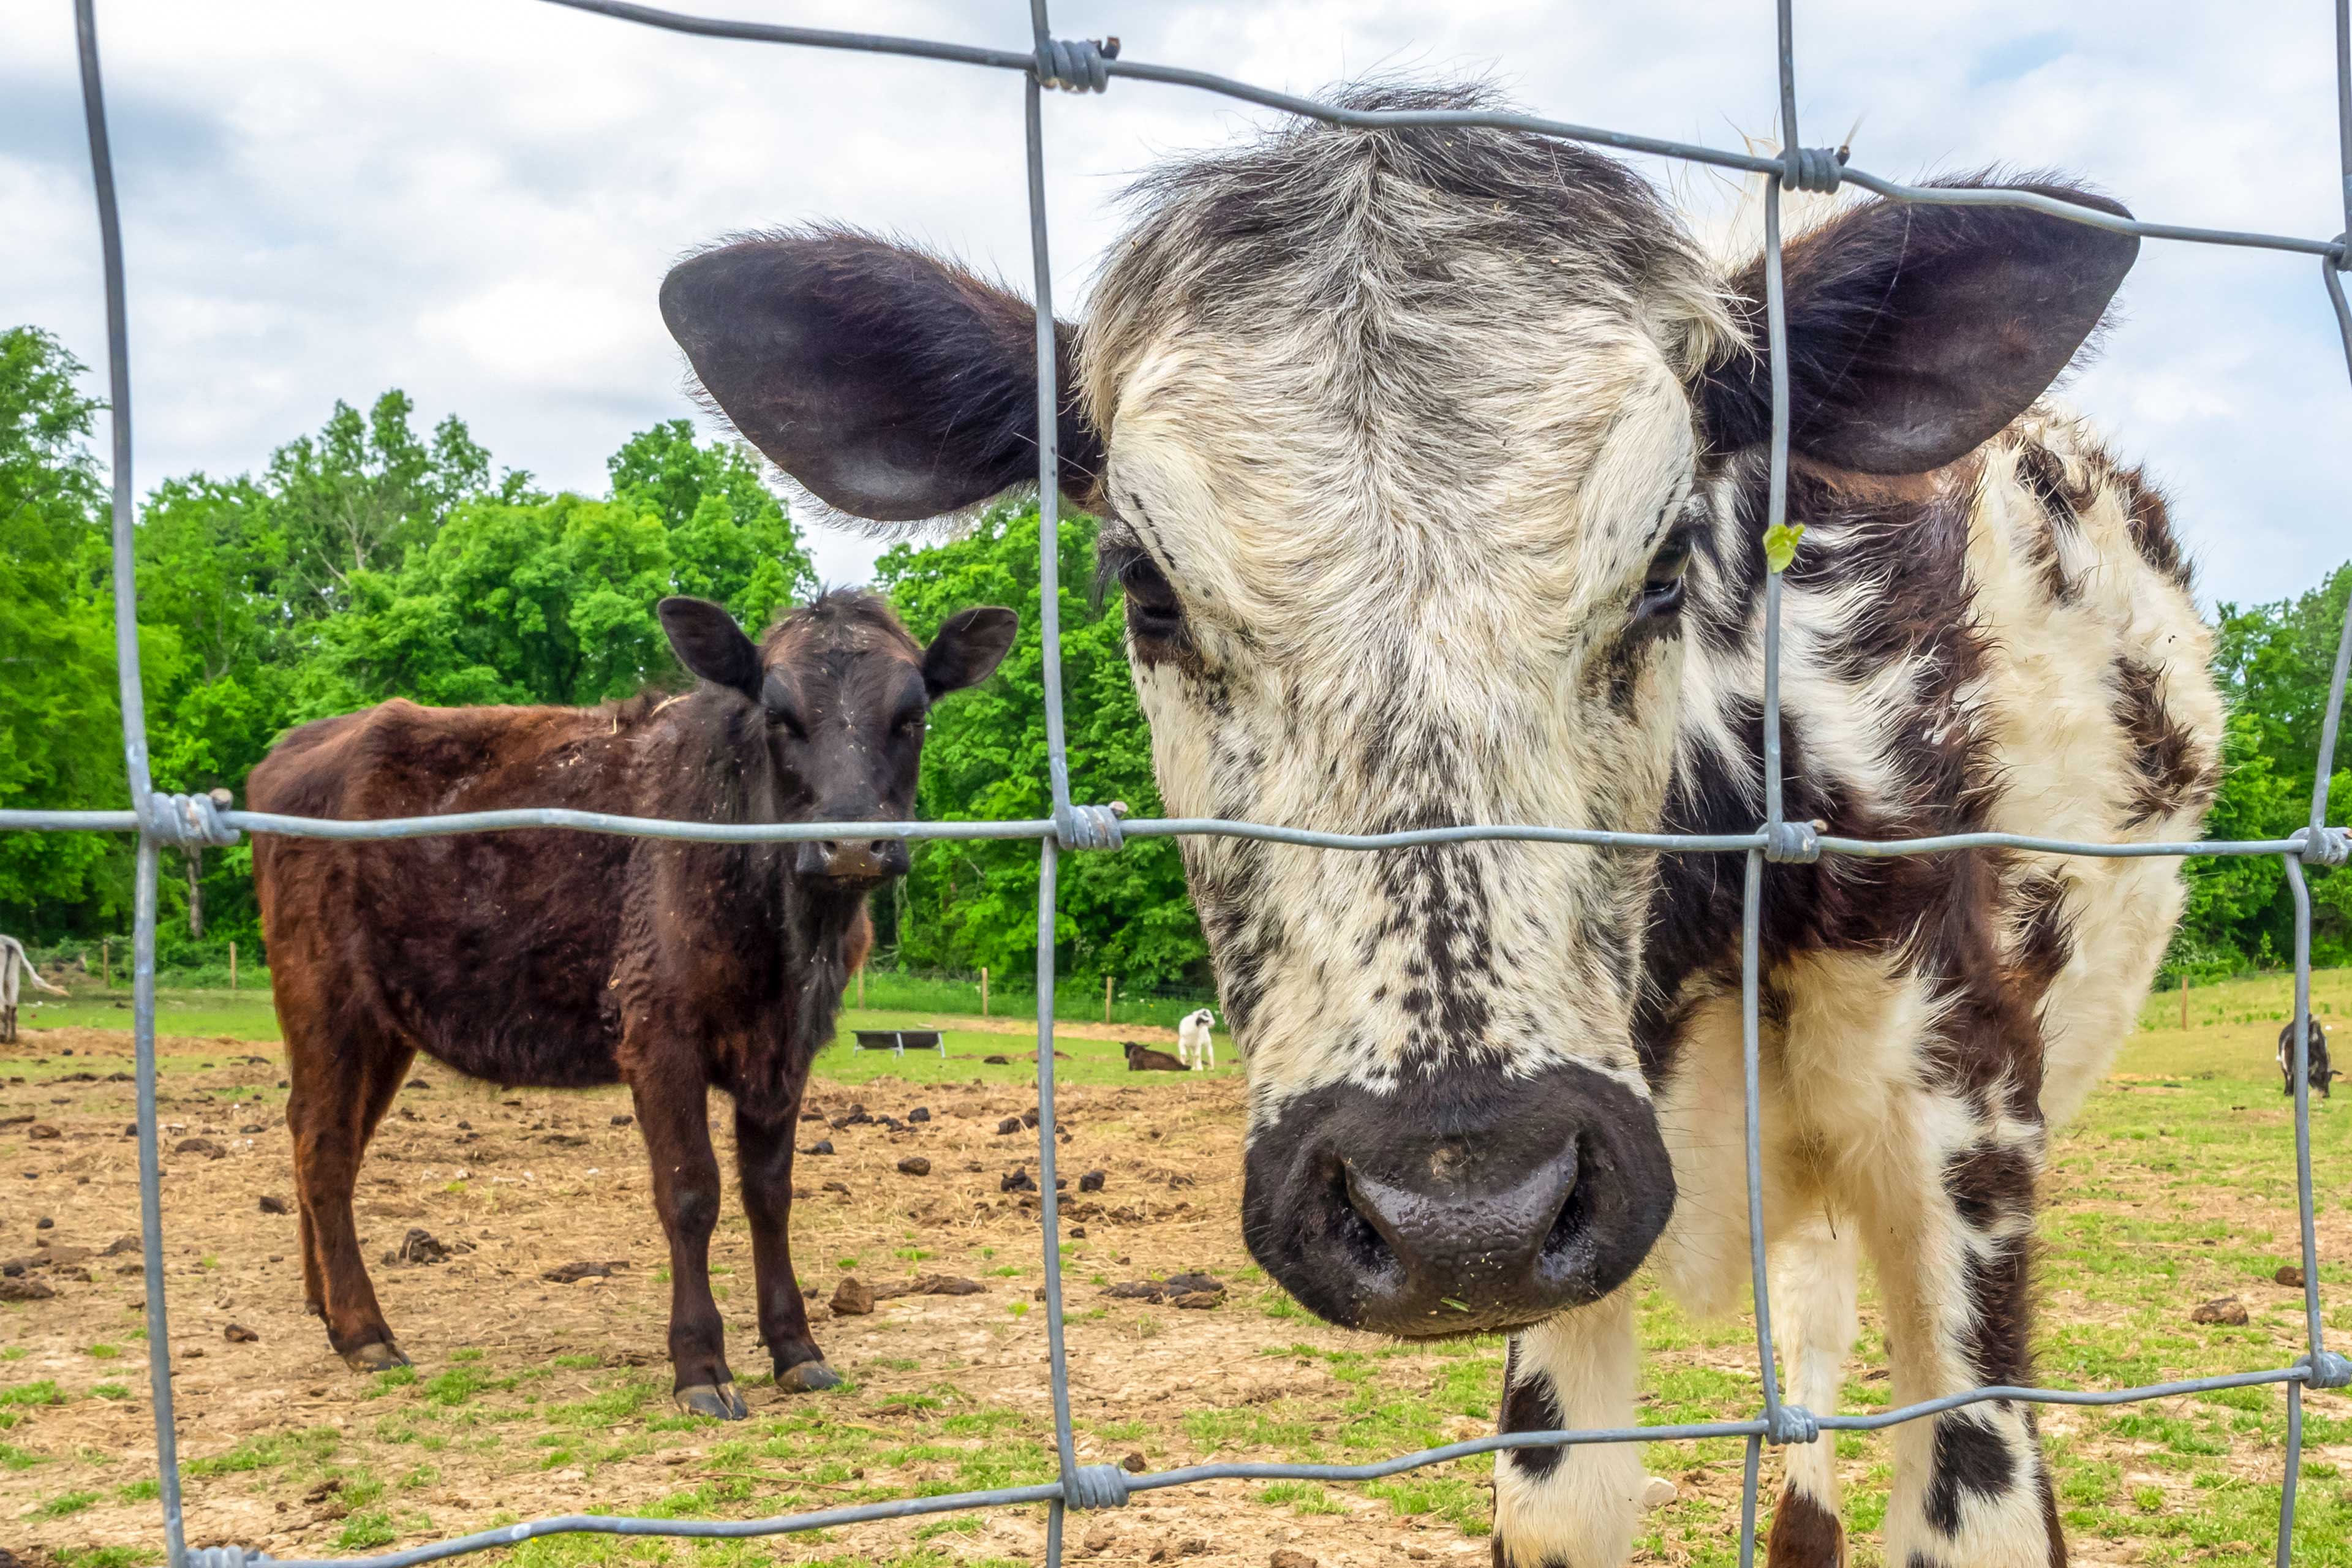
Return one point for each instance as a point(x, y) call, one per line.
point(1152, 610)
point(1661, 585)
point(776, 698)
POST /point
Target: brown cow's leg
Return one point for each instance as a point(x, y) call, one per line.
point(763, 1156)
point(674, 1112)
point(335, 1099)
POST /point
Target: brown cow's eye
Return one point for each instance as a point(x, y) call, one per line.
point(776, 698)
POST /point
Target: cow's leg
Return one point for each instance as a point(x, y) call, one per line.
point(763, 1155)
point(1574, 1507)
point(673, 1110)
point(334, 1099)
point(1814, 1321)
point(1950, 1229)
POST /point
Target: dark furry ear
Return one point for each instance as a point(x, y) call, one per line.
point(1917, 333)
point(893, 384)
point(970, 645)
point(710, 644)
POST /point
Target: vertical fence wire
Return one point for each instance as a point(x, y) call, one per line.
point(134, 762)
point(1049, 634)
point(1054, 63)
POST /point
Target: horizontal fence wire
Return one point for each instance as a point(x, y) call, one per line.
point(162, 820)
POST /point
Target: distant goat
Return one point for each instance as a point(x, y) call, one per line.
point(1141, 1058)
point(1196, 1047)
point(15, 966)
point(2322, 1074)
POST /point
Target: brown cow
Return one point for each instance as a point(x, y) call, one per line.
point(1141, 1058)
point(562, 958)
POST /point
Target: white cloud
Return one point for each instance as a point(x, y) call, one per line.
point(475, 199)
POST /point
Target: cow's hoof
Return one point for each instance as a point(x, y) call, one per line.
point(380, 1356)
point(808, 1377)
point(718, 1400)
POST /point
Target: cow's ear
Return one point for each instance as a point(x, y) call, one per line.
point(1917, 333)
point(892, 384)
point(968, 646)
point(710, 644)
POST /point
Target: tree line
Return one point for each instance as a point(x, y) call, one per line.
point(367, 560)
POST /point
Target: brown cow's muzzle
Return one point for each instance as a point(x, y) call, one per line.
point(852, 860)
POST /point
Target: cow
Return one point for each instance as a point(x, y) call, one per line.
point(2323, 1072)
point(16, 967)
point(1141, 1058)
point(1432, 464)
point(1196, 1045)
point(562, 959)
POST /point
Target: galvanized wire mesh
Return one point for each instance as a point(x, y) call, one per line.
point(1081, 66)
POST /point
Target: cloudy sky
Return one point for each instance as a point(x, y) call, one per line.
point(475, 200)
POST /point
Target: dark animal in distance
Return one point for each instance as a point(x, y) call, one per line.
point(559, 959)
point(1141, 1058)
point(2323, 1072)
point(1433, 465)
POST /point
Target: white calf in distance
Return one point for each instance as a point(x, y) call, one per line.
point(15, 965)
point(1196, 1047)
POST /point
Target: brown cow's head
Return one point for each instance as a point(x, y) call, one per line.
point(836, 694)
point(1409, 447)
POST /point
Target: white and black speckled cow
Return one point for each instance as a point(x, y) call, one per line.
point(1432, 464)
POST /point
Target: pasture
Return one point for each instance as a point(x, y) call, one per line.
point(531, 1396)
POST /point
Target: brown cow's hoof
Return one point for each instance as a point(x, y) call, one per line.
point(715, 1399)
point(380, 1356)
point(808, 1377)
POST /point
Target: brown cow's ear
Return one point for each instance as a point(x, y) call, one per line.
point(710, 644)
point(1915, 333)
point(893, 384)
point(968, 646)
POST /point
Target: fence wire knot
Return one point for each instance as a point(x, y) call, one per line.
point(1790, 1424)
point(224, 1557)
point(189, 821)
point(1816, 169)
point(1791, 844)
point(1095, 1485)
point(1076, 65)
point(1090, 827)
point(2323, 846)
point(2326, 1369)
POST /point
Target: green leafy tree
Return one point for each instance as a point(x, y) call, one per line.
point(2275, 662)
point(730, 539)
point(969, 904)
point(364, 490)
point(552, 600)
point(60, 736)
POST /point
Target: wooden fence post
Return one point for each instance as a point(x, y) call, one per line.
point(232, 966)
point(983, 991)
point(861, 988)
point(2184, 999)
point(1106, 984)
point(105, 965)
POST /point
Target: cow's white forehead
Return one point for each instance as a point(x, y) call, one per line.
point(1403, 420)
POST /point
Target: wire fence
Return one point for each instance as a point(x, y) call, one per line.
point(1081, 66)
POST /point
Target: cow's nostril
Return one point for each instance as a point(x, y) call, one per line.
point(881, 847)
point(829, 847)
point(1355, 1225)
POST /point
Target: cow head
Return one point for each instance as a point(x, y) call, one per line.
point(836, 696)
point(1412, 449)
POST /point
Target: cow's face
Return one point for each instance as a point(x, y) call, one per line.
point(835, 703)
point(1411, 451)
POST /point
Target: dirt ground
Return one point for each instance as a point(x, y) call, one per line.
point(532, 1397)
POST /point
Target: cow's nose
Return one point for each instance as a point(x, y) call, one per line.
point(1457, 1205)
point(853, 859)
